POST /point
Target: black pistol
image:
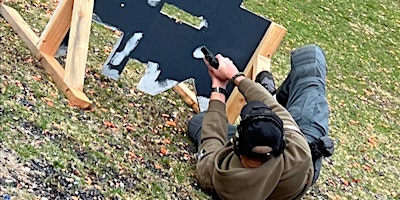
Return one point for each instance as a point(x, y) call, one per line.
point(210, 57)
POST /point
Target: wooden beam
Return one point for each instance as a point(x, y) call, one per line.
point(271, 41)
point(188, 96)
point(21, 28)
point(49, 63)
point(266, 49)
point(78, 43)
point(57, 28)
point(261, 64)
point(56, 71)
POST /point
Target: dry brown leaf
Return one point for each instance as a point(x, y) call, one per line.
point(367, 168)
point(368, 93)
point(372, 141)
point(354, 122)
point(108, 124)
point(166, 141)
point(132, 155)
point(344, 182)
point(157, 166)
point(37, 78)
point(171, 123)
point(130, 128)
point(163, 151)
point(50, 103)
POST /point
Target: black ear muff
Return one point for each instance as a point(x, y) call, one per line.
point(282, 147)
point(236, 142)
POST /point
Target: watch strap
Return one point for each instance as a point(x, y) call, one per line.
point(235, 76)
point(219, 90)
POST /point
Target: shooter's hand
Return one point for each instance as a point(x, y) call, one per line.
point(225, 71)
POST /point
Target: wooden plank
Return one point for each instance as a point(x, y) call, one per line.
point(49, 63)
point(78, 44)
point(266, 48)
point(78, 98)
point(270, 43)
point(21, 28)
point(188, 96)
point(261, 64)
point(57, 28)
point(56, 71)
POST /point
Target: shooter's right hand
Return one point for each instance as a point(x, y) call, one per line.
point(226, 69)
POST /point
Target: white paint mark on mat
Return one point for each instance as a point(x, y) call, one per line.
point(149, 84)
point(107, 71)
point(153, 3)
point(130, 45)
point(116, 58)
point(203, 103)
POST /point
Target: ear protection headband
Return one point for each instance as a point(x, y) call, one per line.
point(267, 116)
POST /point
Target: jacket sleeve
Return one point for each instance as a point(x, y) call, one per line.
point(253, 91)
point(213, 137)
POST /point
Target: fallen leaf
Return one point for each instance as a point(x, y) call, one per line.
point(109, 124)
point(354, 122)
point(166, 141)
point(356, 180)
point(157, 166)
point(367, 168)
point(37, 78)
point(132, 155)
point(372, 141)
point(171, 123)
point(357, 165)
point(164, 151)
point(346, 183)
point(368, 93)
point(50, 103)
point(130, 128)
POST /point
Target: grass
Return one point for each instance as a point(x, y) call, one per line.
point(125, 148)
point(181, 16)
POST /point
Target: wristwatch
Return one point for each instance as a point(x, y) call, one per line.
point(235, 76)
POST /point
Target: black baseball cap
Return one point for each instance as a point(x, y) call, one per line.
point(260, 127)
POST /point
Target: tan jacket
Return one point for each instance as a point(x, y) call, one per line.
point(285, 177)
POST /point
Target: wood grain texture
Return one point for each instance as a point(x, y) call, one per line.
point(265, 50)
point(78, 44)
point(57, 28)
